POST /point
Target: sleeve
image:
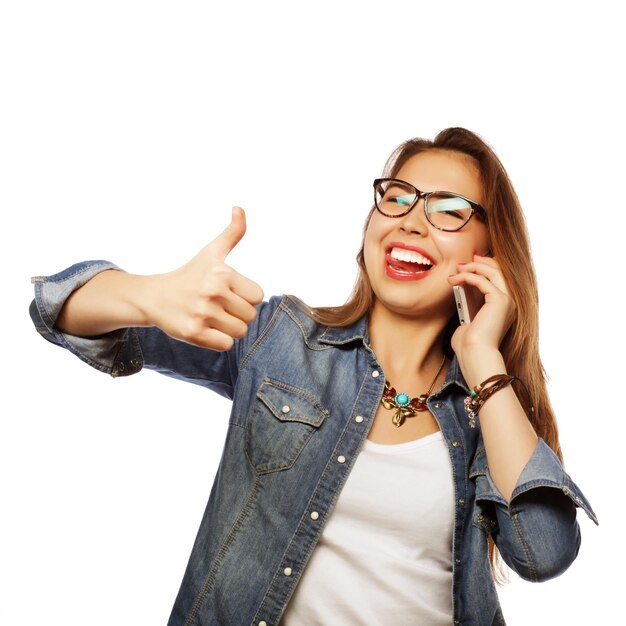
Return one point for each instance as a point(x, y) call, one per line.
point(537, 533)
point(126, 351)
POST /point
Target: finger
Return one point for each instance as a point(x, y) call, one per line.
point(240, 308)
point(490, 272)
point(229, 237)
point(213, 339)
point(246, 288)
point(482, 283)
point(487, 260)
point(226, 323)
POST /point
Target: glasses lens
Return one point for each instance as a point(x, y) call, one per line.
point(394, 198)
point(447, 211)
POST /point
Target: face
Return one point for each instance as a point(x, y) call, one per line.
point(408, 261)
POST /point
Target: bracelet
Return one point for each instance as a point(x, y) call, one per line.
point(479, 395)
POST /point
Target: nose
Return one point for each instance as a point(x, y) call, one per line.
point(415, 221)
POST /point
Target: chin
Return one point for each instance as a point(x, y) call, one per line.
point(401, 306)
point(409, 306)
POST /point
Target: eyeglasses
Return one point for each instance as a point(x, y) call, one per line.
point(444, 210)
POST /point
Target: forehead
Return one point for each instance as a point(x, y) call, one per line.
point(444, 170)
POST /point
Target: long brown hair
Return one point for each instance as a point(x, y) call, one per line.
point(510, 245)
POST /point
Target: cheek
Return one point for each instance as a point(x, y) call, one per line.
point(461, 249)
point(368, 250)
point(455, 248)
point(372, 240)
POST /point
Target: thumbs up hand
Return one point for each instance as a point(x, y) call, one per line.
point(205, 302)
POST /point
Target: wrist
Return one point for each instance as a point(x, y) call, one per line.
point(141, 295)
point(477, 364)
point(128, 298)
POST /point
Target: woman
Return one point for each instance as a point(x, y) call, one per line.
point(377, 451)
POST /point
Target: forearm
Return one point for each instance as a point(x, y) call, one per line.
point(508, 435)
point(110, 300)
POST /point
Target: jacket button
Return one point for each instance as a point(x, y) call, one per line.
point(315, 515)
point(375, 374)
point(285, 409)
point(456, 443)
point(437, 405)
point(461, 501)
point(287, 571)
point(262, 623)
point(341, 458)
point(358, 419)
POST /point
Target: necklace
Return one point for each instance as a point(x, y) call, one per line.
point(404, 405)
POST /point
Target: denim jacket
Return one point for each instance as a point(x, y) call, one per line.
point(303, 400)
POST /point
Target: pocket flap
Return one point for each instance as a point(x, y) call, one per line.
point(290, 404)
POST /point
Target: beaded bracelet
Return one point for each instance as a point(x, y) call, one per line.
point(479, 395)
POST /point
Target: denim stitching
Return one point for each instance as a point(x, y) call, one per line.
point(281, 468)
point(41, 307)
point(529, 559)
point(223, 551)
point(299, 392)
point(533, 484)
point(301, 327)
point(76, 272)
point(260, 339)
point(299, 418)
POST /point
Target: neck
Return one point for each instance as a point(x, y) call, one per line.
point(406, 346)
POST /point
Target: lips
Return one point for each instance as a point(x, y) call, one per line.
point(404, 262)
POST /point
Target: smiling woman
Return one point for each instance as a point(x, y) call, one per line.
point(378, 457)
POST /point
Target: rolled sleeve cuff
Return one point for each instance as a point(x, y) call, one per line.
point(117, 353)
point(542, 470)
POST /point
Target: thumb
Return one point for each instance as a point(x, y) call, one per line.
point(230, 236)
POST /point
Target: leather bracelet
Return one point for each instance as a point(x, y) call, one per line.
point(481, 393)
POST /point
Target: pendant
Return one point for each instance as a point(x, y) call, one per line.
point(404, 405)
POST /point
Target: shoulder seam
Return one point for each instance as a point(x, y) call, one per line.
point(262, 336)
point(295, 318)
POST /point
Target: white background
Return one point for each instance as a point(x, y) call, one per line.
point(129, 129)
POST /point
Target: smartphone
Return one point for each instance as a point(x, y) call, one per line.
point(462, 307)
point(468, 302)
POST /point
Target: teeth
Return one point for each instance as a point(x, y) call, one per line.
point(410, 256)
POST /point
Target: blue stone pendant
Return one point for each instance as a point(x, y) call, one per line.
point(402, 399)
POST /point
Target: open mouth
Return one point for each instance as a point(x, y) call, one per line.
point(405, 264)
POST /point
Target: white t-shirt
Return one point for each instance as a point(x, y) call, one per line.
point(385, 555)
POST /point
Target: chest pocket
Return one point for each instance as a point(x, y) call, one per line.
point(280, 423)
